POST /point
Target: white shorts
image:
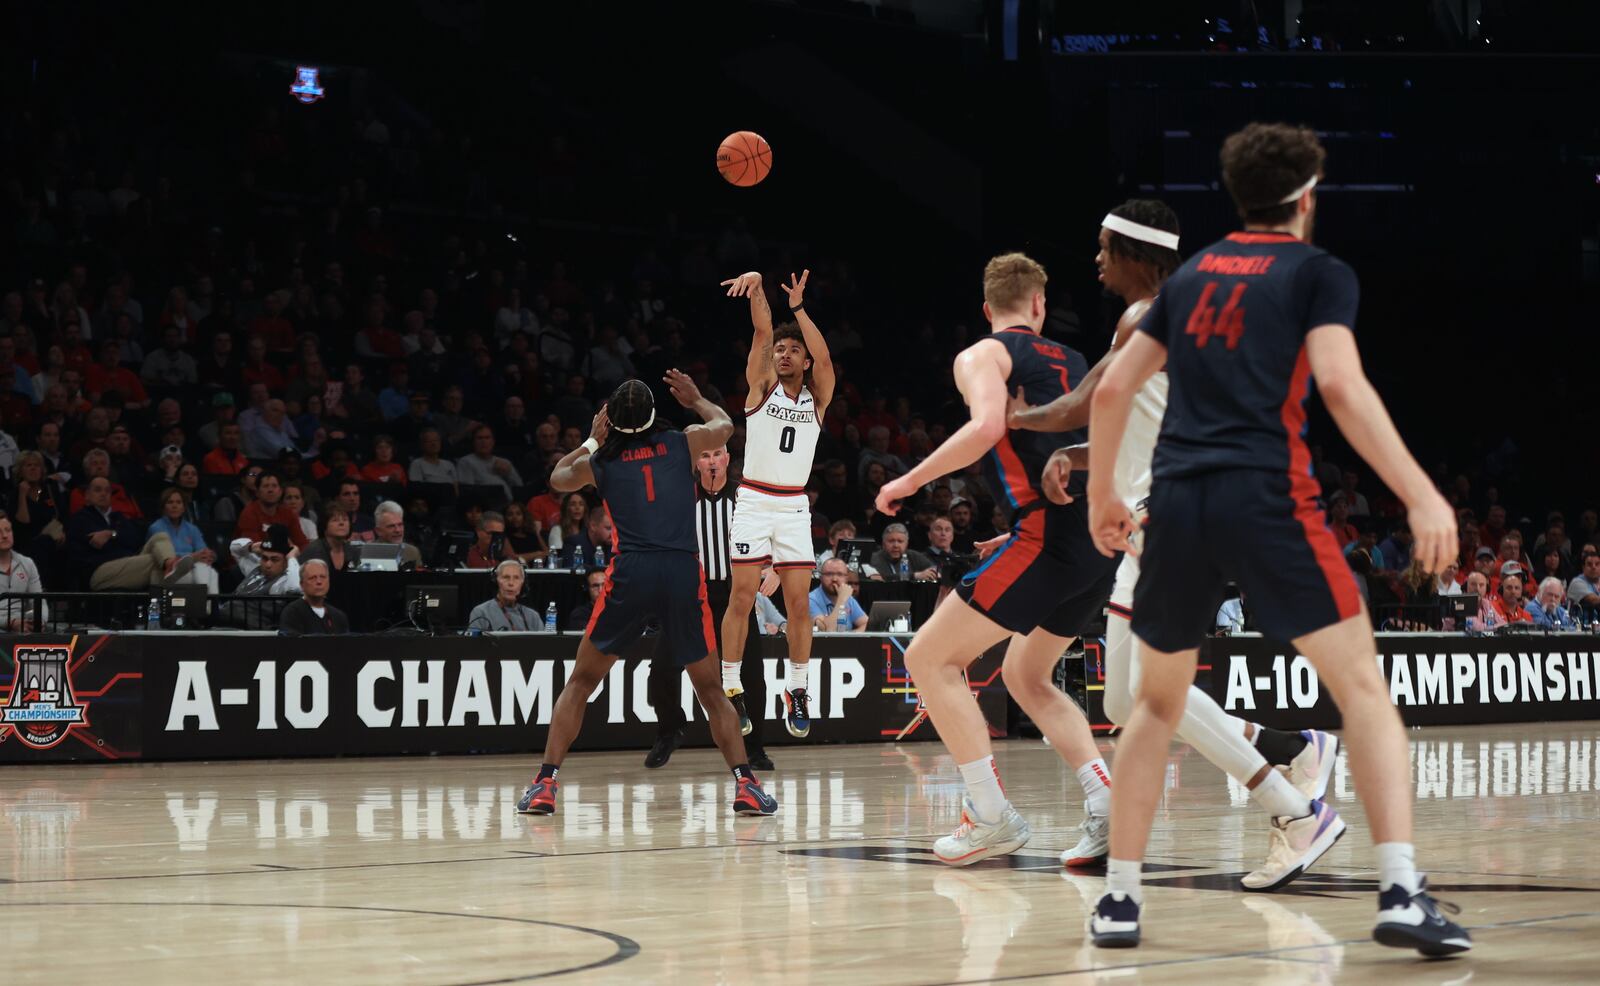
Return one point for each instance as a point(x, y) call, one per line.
point(772, 529)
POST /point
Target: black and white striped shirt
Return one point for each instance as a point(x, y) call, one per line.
point(713, 520)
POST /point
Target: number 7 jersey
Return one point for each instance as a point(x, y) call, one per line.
point(780, 440)
point(1234, 321)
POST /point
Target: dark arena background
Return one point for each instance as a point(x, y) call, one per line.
point(347, 281)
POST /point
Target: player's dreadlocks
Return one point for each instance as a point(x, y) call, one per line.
point(1157, 215)
point(632, 412)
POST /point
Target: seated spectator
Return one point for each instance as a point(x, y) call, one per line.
point(267, 510)
point(222, 412)
point(1551, 565)
point(898, 562)
point(109, 376)
point(877, 451)
point(577, 620)
point(334, 460)
point(19, 575)
point(394, 401)
point(312, 614)
point(97, 465)
point(232, 506)
point(188, 483)
point(349, 500)
point(1508, 602)
point(593, 546)
point(429, 467)
point(228, 458)
point(294, 501)
point(771, 622)
point(522, 535)
point(491, 547)
point(574, 518)
point(455, 427)
point(833, 604)
point(1348, 480)
point(941, 541)
point(14, 377)
point(1584, 590)
point(1445, 584)
point(269, 563)
point(383, 468)
point(389, 527)
point(483, 467)
point(1230, 616)
point(1339, 521)
point(1488, 617)
point(544, 510)
point(127, 459)
point(333, 546)
point(505, 611)
point(513, 427)
point(845, 530)
point(186, 539)
point(963, 534)
point(1396, 548)
point(1548, 608)
point(257, 370)
point(269, 433)
point(36, 504)
point(169, 368)
point(106, 546)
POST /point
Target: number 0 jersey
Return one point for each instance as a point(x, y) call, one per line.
point(780, 440)
point(649, 489)
point(1234, 319)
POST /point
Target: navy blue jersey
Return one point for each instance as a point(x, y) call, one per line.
point(649, 488)
point(1234, 320)
point(1044, 370)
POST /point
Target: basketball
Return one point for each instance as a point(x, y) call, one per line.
point(744, 158)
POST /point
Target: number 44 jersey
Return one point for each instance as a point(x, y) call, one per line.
point(1234, 321)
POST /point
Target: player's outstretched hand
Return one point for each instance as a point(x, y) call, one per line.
point(892, 493)
point(1057, 471)
point(989, 547)
point(744, 285)
point(1110, 523)
point(1433, 528)
point(796, 289)
point(601, 426)
point(1014, 407)
point(682, 388)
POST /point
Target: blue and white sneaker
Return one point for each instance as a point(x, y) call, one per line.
point(1293, 845)
point(1310, 770)
point(1114, 923)
point(797, 718)
point(1407, 920)
point(974, 841)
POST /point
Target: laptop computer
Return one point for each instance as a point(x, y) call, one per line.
point(884, 613)
point(377, 556)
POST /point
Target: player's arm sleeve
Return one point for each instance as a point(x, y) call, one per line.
point(1332, 292)
point(1154, 323)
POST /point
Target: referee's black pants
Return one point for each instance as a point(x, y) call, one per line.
point(665, 675)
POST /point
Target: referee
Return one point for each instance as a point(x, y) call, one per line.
point(713, 515)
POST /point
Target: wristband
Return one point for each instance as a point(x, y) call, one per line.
point(797, 308)
point(590, 444)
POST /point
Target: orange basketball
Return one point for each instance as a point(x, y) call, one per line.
point(744, 158)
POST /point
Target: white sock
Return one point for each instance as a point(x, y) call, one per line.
point(1280, 798)
point(797, 675)
point(1095, 777)
point(1122, 877)
point(1397, 864)
point(983, 787)
point(730, 677)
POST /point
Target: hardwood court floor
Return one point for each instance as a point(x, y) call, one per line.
point(419, 871)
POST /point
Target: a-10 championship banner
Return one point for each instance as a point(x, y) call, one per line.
point(203, 696)
point(1435, 679)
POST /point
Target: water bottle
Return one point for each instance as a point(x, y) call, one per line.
point(599, 557)
point(578, 567)
point(905, 569)
point(550, 561)
point(550, 618)
point(152, 620)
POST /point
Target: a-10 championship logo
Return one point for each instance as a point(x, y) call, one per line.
point(42, 710)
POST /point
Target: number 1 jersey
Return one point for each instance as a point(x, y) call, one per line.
point(1234, 320)
point(649, 488)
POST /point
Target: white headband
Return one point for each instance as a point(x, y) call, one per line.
point(634, 431)
point(1303, 189)
point(1138, 231)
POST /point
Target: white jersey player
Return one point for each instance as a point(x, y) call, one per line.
point(791, 381)
point(1138, 249)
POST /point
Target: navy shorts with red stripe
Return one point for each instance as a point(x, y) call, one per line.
point(1048, 576)
point(645, 588)
point(1265, 531)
